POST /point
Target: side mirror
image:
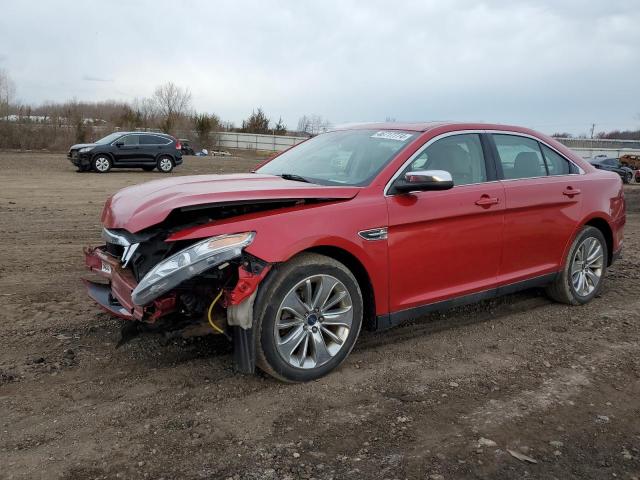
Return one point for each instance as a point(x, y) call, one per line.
point(424, 180)
point(119, 144)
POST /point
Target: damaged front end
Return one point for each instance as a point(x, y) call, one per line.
point(179, 287)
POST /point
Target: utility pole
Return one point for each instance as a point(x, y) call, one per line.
point(593, 127)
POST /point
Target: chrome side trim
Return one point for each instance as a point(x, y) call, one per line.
point(374, 234)
point(464, 132)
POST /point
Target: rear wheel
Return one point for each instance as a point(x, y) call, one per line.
point(101, 164)
point(307, 318)
point(165, 164)
point(628, 177)
point(582, 277)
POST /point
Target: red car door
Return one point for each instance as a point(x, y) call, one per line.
point(444, 244)
point(543, 203)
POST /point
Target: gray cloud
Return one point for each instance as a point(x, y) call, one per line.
point(90, 78)
point(553, 65)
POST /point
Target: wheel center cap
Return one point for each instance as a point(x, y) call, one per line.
point(312, 319)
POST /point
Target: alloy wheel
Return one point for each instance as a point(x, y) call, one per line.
point(102, 164)
point(587, 265)
point(165, 164)
point(313, 321)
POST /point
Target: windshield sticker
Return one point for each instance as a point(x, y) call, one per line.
point(399, 136)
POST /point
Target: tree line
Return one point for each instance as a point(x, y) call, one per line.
point(56, 125)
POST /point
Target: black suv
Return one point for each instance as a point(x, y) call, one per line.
point(144, 150)
point(613, 165)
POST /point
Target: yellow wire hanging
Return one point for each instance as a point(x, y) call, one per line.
point(213, 325)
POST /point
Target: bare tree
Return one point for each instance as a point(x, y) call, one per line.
point(7, 92)
point(173, 103)
point(313, 124)
point(147, 110)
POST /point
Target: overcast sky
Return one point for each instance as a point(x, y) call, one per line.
point(551, 65)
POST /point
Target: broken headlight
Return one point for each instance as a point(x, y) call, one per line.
point(188, 263)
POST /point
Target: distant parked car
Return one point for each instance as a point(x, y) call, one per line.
point(187, 149)
point(613, 165)
point(144, 150)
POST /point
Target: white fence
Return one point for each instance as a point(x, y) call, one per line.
point(277, 143)
point(590, 147)
point(253, 141)
point(609, 152)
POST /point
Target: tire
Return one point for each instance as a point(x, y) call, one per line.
point(148, 169)
point(567, 287)
point(323, 343)
point(627, 178)
point(165, 164)
point(101, 164)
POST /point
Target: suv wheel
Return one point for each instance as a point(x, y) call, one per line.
point(165, 164)
point(307, 318)
point(582, 277)
point(628, 177)
point(101, 164)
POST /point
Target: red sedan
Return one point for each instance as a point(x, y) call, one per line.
point(366, 226)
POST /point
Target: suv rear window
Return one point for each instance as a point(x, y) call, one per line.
point(153, 140)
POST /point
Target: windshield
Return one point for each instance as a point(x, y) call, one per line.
point(348, 157)
point(108, 139)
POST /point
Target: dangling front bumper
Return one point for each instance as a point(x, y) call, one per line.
point(114, 293)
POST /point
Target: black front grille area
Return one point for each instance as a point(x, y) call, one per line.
point(115, 250)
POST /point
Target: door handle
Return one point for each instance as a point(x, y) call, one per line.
point(570, 192)
point(487, 201)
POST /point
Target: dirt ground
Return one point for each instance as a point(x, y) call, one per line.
point(445, 397)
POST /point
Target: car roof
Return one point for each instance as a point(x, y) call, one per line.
point(427, 126)
point(146, 133)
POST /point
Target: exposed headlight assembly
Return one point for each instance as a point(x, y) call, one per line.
point(86, 149)
point(188, 263)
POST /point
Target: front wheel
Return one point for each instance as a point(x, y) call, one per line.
point(628, 177)
point(165, 164)
point(307, 318)
point(582, 277)
point(101, 164)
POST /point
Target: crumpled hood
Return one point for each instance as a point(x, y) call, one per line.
point(141, 206)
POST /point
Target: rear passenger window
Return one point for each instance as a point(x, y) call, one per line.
point(153, 140)
point(557, 164)
point(460, 155)
point(520, 157)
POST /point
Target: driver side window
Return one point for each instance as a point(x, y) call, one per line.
point(460, 155)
